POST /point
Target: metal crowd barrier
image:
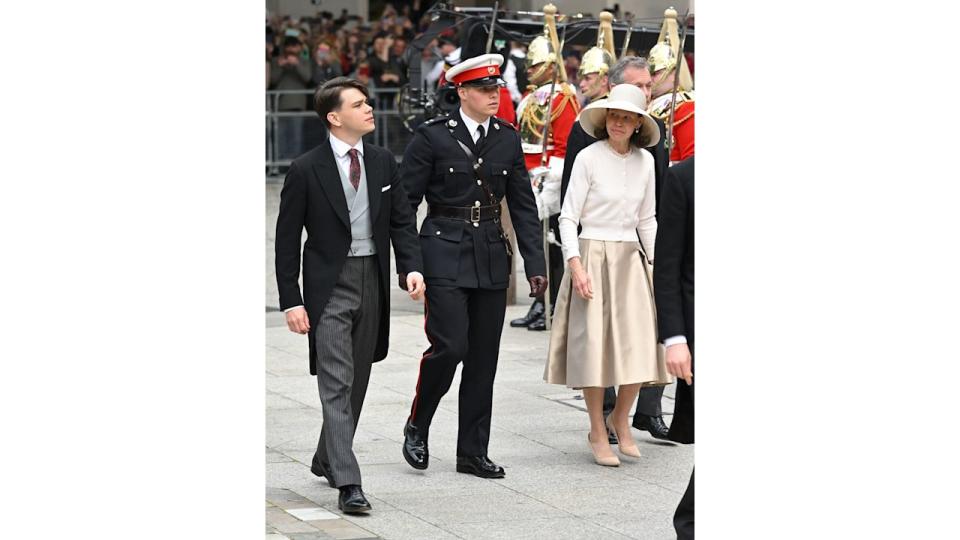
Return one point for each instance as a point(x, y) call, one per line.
point(291, 133)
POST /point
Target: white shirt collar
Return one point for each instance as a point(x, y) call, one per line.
point(472, 124)
point(341, 148)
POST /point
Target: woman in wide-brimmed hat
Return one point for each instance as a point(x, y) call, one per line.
point(605, 331)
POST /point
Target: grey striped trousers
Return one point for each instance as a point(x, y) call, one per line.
point(346, 341)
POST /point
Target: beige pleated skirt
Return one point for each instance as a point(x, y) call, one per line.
point(612, 339)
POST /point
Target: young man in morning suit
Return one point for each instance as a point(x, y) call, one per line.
point(464, 164)
point(348, 196)
point(673, 292)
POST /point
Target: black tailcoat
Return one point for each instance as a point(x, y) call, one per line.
point(673, 280)
point(312, 197)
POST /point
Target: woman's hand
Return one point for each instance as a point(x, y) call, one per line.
point(581, 281)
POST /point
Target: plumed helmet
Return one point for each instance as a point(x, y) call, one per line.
point(545, 49)
point(601, 57)
point(666, 53)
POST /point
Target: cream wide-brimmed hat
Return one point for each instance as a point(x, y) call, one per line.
point(625, 97)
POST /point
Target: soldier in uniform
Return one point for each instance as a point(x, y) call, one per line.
point(594, 67)
point(663, 66)
point(546, 73)
point(464, 164)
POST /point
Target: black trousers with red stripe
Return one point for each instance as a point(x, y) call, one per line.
point(462, 325)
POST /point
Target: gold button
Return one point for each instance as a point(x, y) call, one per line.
point(480, 160)
point(451, 169)
point(479, 183)
point(476, 224)
point(504, 172)
point(438, 233)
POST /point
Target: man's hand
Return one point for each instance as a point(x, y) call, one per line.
point(538, 284)
point(678, 362)
point(297, 320)
point(415, 286)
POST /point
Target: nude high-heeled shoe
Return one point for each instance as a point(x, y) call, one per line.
point(630, 449)
point(607, 461)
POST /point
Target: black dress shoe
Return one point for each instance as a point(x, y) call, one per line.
point(653, 424)
point(479, 466)
point(415, 446)
point(538, 325)
point(321, 471)
point(535, 311)
point(352, 501)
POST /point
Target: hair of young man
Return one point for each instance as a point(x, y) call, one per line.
point(328, 96)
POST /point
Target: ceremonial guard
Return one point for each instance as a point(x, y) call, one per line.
point(596, 62)
point(663, 66)
point(595, 81)
point(465, 164)
point(549, 94)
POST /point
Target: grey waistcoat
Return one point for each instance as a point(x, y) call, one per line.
point(358, 204)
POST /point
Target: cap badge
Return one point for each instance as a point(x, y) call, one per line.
point(490, 70)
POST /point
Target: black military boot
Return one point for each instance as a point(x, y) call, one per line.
point(535, 312)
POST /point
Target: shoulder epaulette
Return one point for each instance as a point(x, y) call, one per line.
point(503, 122)
point(436, 120)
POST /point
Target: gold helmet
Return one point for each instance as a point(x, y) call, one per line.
point(661, 56)
point(666, 53)
point(601, 57)
point(545, 50)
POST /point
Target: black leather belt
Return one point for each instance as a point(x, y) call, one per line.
point(470, 214)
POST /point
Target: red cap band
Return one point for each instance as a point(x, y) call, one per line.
point(476, 73)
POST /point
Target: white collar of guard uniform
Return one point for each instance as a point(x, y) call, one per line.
point(341, 148)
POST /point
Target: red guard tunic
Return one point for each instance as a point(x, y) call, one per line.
point(682, 145)
point(531, 115)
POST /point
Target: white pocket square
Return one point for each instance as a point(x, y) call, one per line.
point(386, 188)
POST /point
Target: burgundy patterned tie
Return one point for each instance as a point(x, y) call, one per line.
point(354, 169)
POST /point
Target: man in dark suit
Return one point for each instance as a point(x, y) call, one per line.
point(628, 70)
point(464, 164)
point(673, 292)
point(348, 196)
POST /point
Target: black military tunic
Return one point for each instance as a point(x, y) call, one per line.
point(466, 264)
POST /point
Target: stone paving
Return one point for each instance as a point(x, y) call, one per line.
point(552, 487)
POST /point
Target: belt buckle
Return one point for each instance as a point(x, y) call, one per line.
point(474, 214)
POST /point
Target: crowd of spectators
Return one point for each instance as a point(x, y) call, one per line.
point(302, 53)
